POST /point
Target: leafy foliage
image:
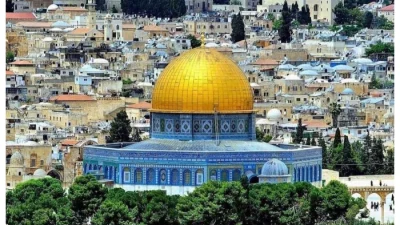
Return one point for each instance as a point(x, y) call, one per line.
point(380, 47)
point(9, 57)
point(335, 111)
point(194, 41)
point(9, 6)
point(156, 8)
point(299, 133)
point(120, 128)
point(238, 33)
point(86, 195)
point(113, 212)
point(285, 31)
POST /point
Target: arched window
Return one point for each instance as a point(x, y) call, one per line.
point(187, 177)
point(33, 160)
point(303, 174)
point(163, 177)
point(199, 177)
point(175, 177)
point(117, 27)
point(213, 175)
point(316, 7)
point(315, 173)
point(224, 175)
point(298, 174)
point(127, 175)
point(236, 175)
point(295, 174)
point(106, 172)
point(151, 176)
point(138, 176)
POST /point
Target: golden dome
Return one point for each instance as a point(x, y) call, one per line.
point(199, 81)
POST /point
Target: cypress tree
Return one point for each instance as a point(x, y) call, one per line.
point(238, 33)
point(322, 144)
point(308, 142)
point(337, 139)
point(347, 167)
point(313, 142)
point(299, 133)
point(308, 15)
point(284, 31)
point(366, 151)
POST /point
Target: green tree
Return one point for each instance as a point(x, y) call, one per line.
point(308, 141)
point(380, 47)
point(259, 134)
point(277, 24)
point(267, 138)
point(114, 10)
point(9, 6)
point(100, 5)
point(383, 23)
point(136, 137)
point(86, 195)
point(285, 31)
point(356, 17)
point(374, 84)
point(334, 110)
point(336, 200)
point(113, 213)
point(295, 11)
point(337, 141)
point(313, 142)
point(213, 203)
point(342, 14)
point(322, 144)
point(194, 41)
point(389, 162)
point(305, 17)
point(376, 158)
point(120, 128)
point(348, 166)
point(368, 18)
point(350, 30)
point(238, 33)
point(39, 201)
point(299, 132)
point(9, 57)
point(271, 17)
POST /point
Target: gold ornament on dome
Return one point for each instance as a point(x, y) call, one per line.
point(202, 80)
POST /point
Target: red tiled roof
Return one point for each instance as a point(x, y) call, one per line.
point(35, 24)
point(140, 105)
point(71, 98)
point(69, 142)
point(20, 15)
point(22, 62)
point(128, 26)
point(9, 73)
point(387, 8)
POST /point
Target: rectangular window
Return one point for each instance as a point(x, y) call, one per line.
point(298, 99)
point(127, 177)
point(41, 162)
point(33, 162)
point(199, 179)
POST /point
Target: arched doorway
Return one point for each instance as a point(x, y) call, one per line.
point(253, 179)
point(54, 174)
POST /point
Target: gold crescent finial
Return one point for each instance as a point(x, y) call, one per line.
point(202, 40)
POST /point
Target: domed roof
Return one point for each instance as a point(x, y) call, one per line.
point(274, 167)
point(52, 7)
point(108, 16)
point(40, 172)
point(17, 159)
point(347, 91)
point(274, 115)
point(200, 81)
point(292, 77)
point(305, 66)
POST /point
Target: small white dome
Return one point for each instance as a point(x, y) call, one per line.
point(292, 77)
point(40, 173)
point(17, 159)
point(274, 115)
point(52, 7)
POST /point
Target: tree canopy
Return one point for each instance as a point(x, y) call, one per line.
point(120, 128)
point(194, 41)
point(9, 57)
point(9, 6)
point(238, 33)
point(157, 8)
point(44, 202)
point(380, 47)
point(285, 29)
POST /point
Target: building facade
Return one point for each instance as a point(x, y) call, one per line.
point(202, 128)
